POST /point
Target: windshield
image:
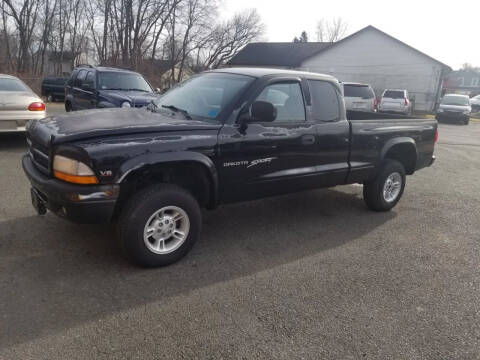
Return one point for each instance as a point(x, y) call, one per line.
point(122, 81)
point(358, 91)
point(456, 100)
point(7, 84)
point(394, 94)
point(203, 97)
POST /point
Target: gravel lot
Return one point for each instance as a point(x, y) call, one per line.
point(311, 275)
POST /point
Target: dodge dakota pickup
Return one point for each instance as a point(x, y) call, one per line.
point(222, 136)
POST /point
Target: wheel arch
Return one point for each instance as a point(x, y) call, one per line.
point(403, 150)
point(190, 170)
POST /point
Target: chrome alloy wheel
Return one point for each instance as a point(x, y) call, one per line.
point(166, 230)
point(392, 187)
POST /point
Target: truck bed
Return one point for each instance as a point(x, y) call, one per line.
point(372, 133)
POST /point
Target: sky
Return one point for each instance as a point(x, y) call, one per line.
point(447, 31)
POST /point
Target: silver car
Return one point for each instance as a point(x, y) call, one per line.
point(395, 101)
point(475, 103)
point(359, 97)
point(18, 104)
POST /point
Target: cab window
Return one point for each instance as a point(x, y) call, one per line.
point(80, 78)
point(90, 80)
point(326, 106)
point(287, 98)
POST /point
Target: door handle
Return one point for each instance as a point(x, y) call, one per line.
point(308, 139)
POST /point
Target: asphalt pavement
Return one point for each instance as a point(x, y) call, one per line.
point(313, 275)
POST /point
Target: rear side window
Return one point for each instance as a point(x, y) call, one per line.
point(394, 94)
point(80, 78)
point(358, 91)
point(90, 79)
point(326, 106)
point(287, 98)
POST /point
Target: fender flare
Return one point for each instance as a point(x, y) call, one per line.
point(176, 157)
point(398, 141)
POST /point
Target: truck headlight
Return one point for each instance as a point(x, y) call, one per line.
point(73, 171)
point(440, 110)
point(126, 104)
point(466, 112)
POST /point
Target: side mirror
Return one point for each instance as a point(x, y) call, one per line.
point(157, 91)
point(263, 111)
point(87, 87)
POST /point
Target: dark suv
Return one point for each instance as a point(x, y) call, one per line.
point(101, 87)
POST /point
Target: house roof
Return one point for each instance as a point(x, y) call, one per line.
point(277, 54)
point(293, 54)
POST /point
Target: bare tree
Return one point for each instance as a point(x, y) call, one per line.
point(331, 30)
point(227, 39)
point(24, 14)
point(184, 33)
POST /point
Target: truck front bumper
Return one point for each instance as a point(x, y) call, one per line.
point(78, 203)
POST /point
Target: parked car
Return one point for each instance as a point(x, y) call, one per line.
point(455, 108)
point(18, 104)
point(102, 87)
point(222, 136)
point(395, 101)
point(53, 88)
point(360, 97)
point(475, 103)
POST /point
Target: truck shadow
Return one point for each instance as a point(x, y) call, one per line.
point(56, 275)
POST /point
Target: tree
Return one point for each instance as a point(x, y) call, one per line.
point(470, 67)
point(331, 30)
point(302, 38)
point(228, 38)
point(141, 34)
point(24, 15)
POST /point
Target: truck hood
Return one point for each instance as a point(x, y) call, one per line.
point(108, 122)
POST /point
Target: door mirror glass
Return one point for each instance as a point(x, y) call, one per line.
point(263, 111)
point(87, 86)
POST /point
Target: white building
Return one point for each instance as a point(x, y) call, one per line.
point(367, 56)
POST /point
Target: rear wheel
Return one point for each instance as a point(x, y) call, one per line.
point(159, 225)
point(386, 190)
point(68, 106)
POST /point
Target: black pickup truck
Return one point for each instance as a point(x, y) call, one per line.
point(222, 136)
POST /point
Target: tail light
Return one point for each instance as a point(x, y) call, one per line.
point(436, 137)
point(36, 106)
point(375, 104)
point(406, 102)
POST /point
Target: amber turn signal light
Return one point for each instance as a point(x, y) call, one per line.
point(76, 179)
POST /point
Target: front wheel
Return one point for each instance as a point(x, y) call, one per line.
point(159, 225)
point(68, 106)
point(386, 190)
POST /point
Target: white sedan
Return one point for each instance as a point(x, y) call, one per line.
point(18, 104)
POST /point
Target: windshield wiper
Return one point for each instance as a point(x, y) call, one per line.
point(138, 90)
point(177, 110)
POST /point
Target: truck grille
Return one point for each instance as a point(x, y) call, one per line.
point(39, 156)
